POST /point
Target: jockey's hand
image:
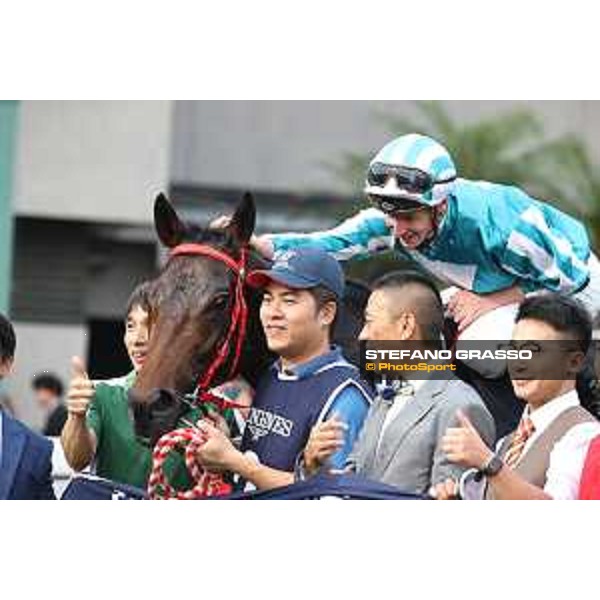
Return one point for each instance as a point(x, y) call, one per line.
point(464, 307)
point(445, 490)
point(325, 440)
point(464, 446)
point(81, 389)
point(218, 453)
point(262, 244)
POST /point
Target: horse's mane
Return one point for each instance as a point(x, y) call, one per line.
point(206, 235)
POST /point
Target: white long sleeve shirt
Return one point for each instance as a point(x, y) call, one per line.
point(566, 458)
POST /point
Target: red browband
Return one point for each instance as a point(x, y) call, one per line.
point(190, 249)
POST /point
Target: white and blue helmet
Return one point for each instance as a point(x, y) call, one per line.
point(409, 171)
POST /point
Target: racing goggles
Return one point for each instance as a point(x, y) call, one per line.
point(410, 180)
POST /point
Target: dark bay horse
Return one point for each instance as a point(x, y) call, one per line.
point(192, 302)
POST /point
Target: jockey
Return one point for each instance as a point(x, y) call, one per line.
point(492, 243)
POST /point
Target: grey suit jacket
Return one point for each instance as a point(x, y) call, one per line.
point(410, 455)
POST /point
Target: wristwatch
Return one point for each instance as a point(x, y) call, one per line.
point(492, 467)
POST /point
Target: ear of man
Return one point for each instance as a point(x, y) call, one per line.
point(327, 313)
point(575, 363)
point(6, 366)
point(407, 326)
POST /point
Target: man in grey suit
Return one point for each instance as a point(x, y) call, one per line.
point(400, 443)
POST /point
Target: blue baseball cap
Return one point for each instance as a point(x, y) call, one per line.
point(302, 269)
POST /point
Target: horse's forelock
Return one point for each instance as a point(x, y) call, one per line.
point(190, 281)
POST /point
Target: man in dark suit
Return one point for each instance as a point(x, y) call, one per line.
point(25, 457)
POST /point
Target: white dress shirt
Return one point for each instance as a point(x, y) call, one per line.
point(568, 455)
point(400, 401)
point(566, 458)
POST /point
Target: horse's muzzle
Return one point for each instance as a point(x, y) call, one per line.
point(155, 415)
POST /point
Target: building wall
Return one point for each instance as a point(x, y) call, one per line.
point(276, 145)
point(42, 347)
point(94, 161)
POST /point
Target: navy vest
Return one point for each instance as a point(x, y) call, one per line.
point(284, 411)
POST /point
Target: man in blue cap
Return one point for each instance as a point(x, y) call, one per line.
point(309, 383)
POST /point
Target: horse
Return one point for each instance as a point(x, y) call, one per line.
point(203, 318)
point(193, 302)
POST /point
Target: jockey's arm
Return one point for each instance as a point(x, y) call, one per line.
point(465, 306)
point(507, 296)
point(366, 233)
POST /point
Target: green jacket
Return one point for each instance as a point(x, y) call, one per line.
point(120, 456)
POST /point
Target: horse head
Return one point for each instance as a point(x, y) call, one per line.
point(195, 308)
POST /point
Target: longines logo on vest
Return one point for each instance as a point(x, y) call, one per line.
point(261, 422)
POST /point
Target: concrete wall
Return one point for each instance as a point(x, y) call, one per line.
point(287, 145)
point(94, 161)
point(42, 348)
point(112, 281)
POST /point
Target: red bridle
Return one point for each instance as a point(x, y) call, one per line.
point(236, 333)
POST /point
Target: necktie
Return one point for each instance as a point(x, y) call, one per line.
point(524, 432)
point(389, 390)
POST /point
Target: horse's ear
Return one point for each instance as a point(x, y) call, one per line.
point(168, 226)
point(242, 223)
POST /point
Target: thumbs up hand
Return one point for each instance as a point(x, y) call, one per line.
point(463, 444)
point(81, 389)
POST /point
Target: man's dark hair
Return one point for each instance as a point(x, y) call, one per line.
point(8, 339)
point(323, 296)
point(140, 297)
point(47, 381)
point(563, 313)
point(428, 310)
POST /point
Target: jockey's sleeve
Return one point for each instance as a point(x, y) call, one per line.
point(363, 234)
point(350, 407)
point(543, 258)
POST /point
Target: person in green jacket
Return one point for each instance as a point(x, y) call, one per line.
point(99, 428)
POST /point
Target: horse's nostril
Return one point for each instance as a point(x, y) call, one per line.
point(156, 414)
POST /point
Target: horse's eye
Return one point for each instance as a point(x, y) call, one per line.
point(219, 302)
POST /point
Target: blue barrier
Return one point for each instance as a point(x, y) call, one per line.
point(89, 487)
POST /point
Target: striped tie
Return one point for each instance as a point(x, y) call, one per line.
point(524, 432)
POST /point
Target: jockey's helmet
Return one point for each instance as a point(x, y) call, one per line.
point(409, 172)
